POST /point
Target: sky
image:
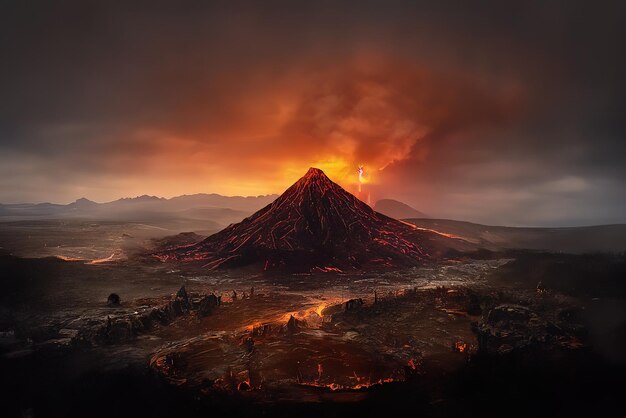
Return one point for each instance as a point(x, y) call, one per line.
point(508, 113)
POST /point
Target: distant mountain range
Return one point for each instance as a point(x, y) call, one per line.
point(197, 212)
point(209, 213)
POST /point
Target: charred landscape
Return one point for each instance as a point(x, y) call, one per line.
point(312, 208)
point(316, 304)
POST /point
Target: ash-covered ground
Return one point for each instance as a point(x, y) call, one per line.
point(515, 333)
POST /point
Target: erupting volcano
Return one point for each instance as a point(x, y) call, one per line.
point(317, 226)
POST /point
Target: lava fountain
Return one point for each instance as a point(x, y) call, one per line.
point(360, 171)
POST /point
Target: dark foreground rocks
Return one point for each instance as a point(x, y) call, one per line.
point(113, 300)
point(115, 329)
point(509, 327)
point(208, 304)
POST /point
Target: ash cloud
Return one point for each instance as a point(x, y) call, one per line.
point(491, 112)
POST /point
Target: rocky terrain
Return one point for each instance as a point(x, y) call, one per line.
point(266, 345)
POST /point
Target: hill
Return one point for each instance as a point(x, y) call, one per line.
point(397, 210)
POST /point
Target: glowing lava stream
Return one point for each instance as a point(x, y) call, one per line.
point(115, 256)
point(67, 258)
point(443, 234)
point(311, 316)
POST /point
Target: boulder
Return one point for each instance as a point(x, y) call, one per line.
point(293, 325)
point(113, 300)
point(208, 304)
point(183, 300)
point(354, 304)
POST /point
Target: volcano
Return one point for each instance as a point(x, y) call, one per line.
point(316, 225)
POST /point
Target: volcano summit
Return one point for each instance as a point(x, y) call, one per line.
point(317, 225)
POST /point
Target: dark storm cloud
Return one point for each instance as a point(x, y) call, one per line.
point(503, 112)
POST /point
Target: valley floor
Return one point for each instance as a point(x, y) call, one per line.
point(526, 328)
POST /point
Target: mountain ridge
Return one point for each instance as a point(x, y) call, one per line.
point(398, 210)
point(86, 207)
point(144, 197)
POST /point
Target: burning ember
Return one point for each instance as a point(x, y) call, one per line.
point(245, 385)
point(460, 347)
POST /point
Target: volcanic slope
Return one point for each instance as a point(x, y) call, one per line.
point(317, 225)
